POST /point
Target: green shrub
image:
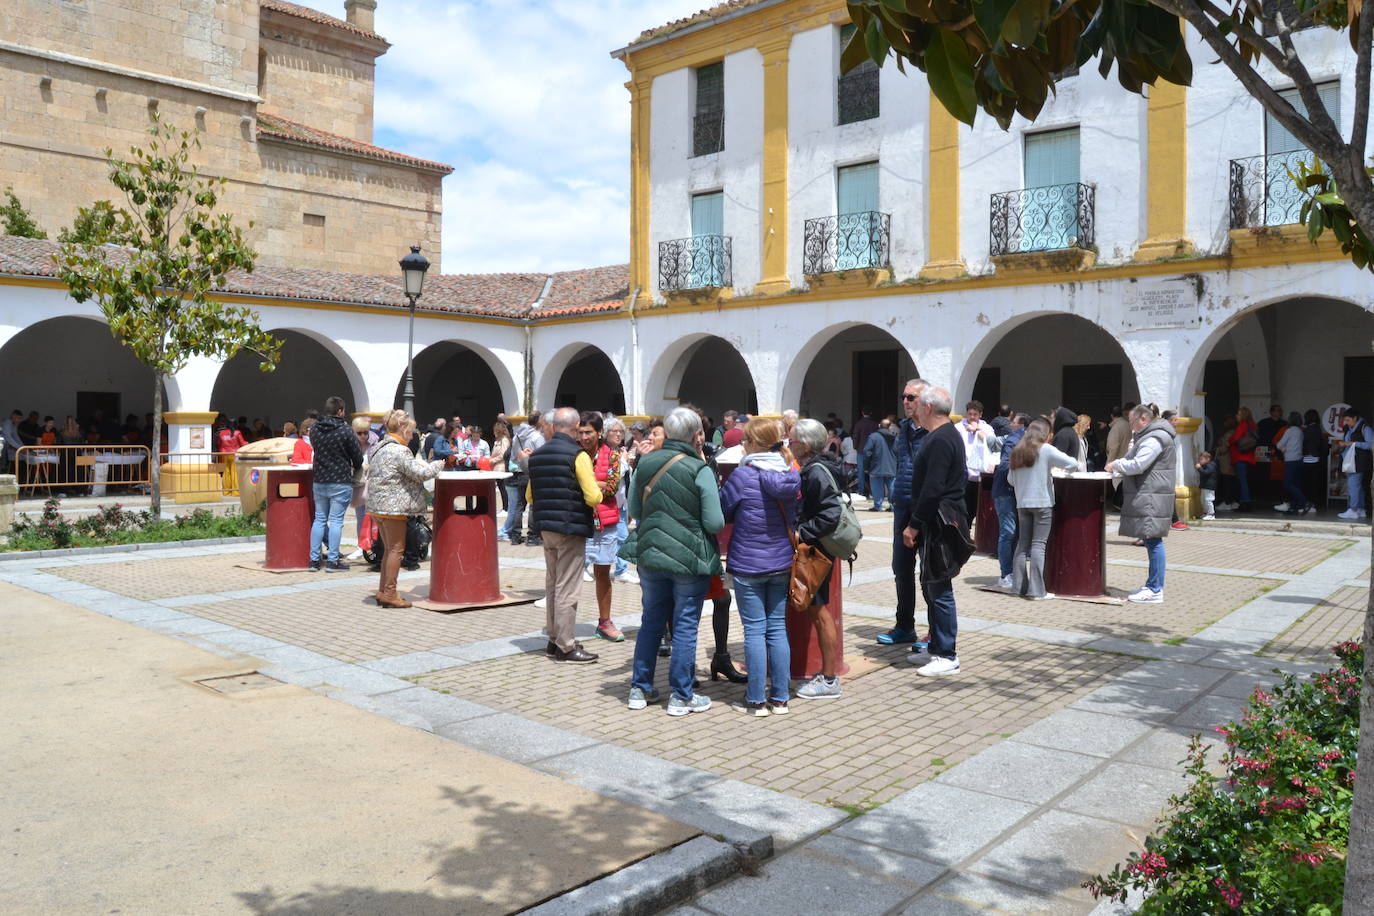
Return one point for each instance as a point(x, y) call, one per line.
point(1270, 836)
point(117, 525)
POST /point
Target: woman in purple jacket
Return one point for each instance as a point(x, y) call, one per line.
point(760, 498)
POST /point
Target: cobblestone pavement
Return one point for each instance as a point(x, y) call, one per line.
point(1056, 744)
point(1335, 619)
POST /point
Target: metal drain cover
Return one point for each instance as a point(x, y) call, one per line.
point(240, 683)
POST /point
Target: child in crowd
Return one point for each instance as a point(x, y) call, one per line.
point(1207, 473)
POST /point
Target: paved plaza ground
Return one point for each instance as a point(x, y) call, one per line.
point(998, 790)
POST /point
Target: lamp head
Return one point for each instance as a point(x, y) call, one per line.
point(413, 267)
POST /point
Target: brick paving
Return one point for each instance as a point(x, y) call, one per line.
point(173, 578)
point(1336, 619)
point(1233, 550)
point(889, 732)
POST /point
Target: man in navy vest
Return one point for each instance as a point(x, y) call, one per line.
point(562, 492)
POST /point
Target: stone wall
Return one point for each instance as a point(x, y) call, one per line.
point(317, 75)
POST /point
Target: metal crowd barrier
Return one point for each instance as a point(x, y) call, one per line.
point(79, 470)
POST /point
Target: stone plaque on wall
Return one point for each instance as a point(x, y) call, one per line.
point(1171, 304)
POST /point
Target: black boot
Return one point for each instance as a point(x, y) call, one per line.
point(722, 666)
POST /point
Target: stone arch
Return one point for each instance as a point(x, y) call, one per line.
point(459, 376)
point(1305, 342)
point(596, 383)
point(66, 363)
point(1070, 337)
point(312, 367)
point(706, 370)
point(855, 336)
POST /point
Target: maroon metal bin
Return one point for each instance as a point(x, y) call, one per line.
point(1076, 555)
point(290, 513)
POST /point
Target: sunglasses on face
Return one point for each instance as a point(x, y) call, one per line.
point(909, 397)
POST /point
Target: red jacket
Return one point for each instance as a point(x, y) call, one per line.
point(1240, 432)
point(302, 452)
point(608, 512)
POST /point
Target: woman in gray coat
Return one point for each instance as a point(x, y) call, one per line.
point(1147, 505)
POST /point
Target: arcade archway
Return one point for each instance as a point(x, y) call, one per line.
point(587, 381)
point(843, 370)
point(452, 379)
point(309, 371)
point(705, 371)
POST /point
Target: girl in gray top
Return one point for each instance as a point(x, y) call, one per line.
point(1029, 476)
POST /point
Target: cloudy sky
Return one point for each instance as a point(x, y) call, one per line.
point(524, 100)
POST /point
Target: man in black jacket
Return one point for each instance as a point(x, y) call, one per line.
point(337, 456)
point(937, 480)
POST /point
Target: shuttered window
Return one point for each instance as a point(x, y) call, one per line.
point(708, 214)
point(857, 188)
point(1052, 158)
point(1277, 139)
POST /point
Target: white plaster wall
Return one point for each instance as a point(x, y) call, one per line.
point(555, 346)
point(818, 145)
point(675, 175)
point(1032, 357)
point(1111, 150)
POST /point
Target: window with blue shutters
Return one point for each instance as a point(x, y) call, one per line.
point(1050, 208)
point(860, 239)
point(1282, 153)
point(708, 240)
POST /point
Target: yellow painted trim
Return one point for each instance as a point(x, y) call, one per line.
point(1166, 170)
point(942, 195)
point(775, 140)
point(36, 282)
point(640, 122)
point(712, 42)
point(189, 417)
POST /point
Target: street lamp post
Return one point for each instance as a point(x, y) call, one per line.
point(413, 267)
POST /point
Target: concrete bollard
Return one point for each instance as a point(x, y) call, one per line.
point(9, 494)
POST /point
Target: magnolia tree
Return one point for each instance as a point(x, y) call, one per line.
point(151, 264)
point(1004, 57)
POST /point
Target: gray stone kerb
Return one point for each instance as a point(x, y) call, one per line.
point(1096, 748)
point(13, 555)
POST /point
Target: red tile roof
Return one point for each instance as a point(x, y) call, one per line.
point(305, 12)
point(275, 126)
point(509, 295)
point(706, 15)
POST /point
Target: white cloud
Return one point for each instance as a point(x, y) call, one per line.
point(524, 100)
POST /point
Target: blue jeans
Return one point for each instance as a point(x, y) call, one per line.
point(1006, 531)
point(667, 596)
point(1155, 548)
point(863, 476)
point(763, 611)
point(1357, 496)
point(1292, 485)
point(904, 572)
point(331, 502)
point(880, 487)
point(515, 510)
point(1243, 477)
point(622, 534)
point(944, 620)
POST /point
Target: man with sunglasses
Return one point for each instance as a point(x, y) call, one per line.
point(910, 434)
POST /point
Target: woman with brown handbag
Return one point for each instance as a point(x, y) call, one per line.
point(817, 516)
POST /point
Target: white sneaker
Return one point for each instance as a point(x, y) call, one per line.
point(939, 666)
point(1146, 596)
point(818, 688)
point(629, 577)
point(1048, 596)
point(1349, 513)
point(1281, 507)
point(587, 574)
point(1004, 582)
point(639, 699)
point(355, 555)
point(542, 603)
point(1209, 518)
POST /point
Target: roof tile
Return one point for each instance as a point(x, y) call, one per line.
point(505, 295)
point(305, 12)
point(706, 15)
point(272, 125)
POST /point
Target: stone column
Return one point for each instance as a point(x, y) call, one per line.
point(191, 474)
point(1187, 495)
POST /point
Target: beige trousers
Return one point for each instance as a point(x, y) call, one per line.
point(562, 585)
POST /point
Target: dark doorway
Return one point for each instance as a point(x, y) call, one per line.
point(591, 382)
point(1221, 382)
point(988, 389)
point(1093, 390)
point(875, 381)
point(1359, 382)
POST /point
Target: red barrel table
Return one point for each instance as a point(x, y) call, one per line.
point(464, 568)
point(290, 513)
point(985, 528)
point(1076, 555)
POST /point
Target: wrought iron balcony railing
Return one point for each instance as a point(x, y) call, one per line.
point(700, 262)
point(1263, 192)
point(1043, 219)
point(850, 241)
point(858, 95)
point(708, 131)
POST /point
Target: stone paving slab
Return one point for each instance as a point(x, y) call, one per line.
point(1275, 553)
point(1056, 852)
point(1337, 618)
point(975, 895)
point(918, 823)
point(807, 882)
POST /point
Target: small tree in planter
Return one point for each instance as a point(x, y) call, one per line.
point(162, 255)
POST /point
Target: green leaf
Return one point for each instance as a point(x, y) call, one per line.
point(990, 14)
point(950, 71)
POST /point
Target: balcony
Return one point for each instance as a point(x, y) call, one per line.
point(850, 241)
point(1263, 192)
point(708, 131)
point(1051, 218)
point(699, 263)
point(858, 95)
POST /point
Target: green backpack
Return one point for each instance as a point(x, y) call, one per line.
point(843, 542)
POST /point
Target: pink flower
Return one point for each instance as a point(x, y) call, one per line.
point(1228, 892)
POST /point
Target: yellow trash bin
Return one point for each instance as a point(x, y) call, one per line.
point(253, 492)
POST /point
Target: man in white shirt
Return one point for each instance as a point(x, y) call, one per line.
point(975, 432)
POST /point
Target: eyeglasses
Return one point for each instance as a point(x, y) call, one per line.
point(910, 397)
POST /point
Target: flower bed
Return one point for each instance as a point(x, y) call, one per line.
point(117, 525)
point(1268, 837)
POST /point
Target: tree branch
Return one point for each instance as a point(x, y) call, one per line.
point(1359, 128)
point(1242, 31)
point(1317, 114)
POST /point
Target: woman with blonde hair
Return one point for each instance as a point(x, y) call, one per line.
point(395, 492)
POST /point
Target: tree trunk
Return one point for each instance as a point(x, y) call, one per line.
point(155, 458)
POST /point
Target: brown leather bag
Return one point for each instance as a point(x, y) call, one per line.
point(810, 566)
